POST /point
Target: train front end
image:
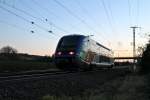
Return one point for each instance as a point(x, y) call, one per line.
point(67, 51)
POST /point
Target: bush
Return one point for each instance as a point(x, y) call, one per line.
point(145, 60)
point(8, 50)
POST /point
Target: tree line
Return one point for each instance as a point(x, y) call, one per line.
point(10, 53)
point(144, 61)
point(8, 50)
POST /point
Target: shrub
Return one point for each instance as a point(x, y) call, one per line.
point(8, 50)
point(145, 60)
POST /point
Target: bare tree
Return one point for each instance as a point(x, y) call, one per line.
point(8, 50)
point(140, 50)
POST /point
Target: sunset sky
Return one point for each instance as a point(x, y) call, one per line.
point(35, 26)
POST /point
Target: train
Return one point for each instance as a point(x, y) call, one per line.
point(80, 52)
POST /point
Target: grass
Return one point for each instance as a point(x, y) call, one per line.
point(81, 86)
point(23, 65)
point(23, 62)
point(132, 87)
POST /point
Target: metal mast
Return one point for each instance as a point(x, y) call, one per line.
point(134, 46)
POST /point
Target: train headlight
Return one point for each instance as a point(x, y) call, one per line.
point(71, 53)
point(59, 53)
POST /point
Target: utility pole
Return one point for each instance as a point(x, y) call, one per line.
point(134, 49)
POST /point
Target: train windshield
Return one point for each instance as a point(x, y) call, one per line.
point(71, 41)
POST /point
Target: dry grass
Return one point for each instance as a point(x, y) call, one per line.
point(131, 87)
point(79, 86)
point(18, 66)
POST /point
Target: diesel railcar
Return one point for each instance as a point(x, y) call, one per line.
point(75, 52)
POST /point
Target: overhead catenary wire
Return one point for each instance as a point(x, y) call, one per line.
point(23, 11)
point(14, 2)
point(53, 14)
point(25, 4)
point(138, 11)
point(71, 13)
point(23, 29)
point(134, 16)
point(107, 14)
point(84, 10)
point(110, 10)
point(130, 18)
point(37, 18)
point(15, 26)
point(44, 8)
point(31, 22)
point(112, 17)
point(74, 15)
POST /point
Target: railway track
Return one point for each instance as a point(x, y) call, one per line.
point(35, 86)
point(28, 76)
point(24, 76)
point(44, 74)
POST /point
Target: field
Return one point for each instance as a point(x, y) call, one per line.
point(80, 86)
point(17, 66)
point(131, 87)
point(11, 63)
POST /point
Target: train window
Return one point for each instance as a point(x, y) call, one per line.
point(69, 41)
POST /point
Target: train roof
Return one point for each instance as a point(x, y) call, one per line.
point(74, 35)
point(103, 46)
point(87, 36)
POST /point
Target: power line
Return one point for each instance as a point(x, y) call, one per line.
point(44, 8)
point(37, 18)
point(13, 25)
point(129, 5)
point(107, 14)
point(31, 22)
point(23, 12)
point(112, 17)
point(136, 14)
point(70, 12)
point(14, 1)
point(53, 14)
point(22, 28)
point(47, 10)
point(74, 15)
point(28, 6)
point(138, 8)
point(15, 14)
point(84, 10)
point(110, 10)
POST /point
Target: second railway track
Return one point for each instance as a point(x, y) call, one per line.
point(46, 74)
point(30, 76)
point(34, 87)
